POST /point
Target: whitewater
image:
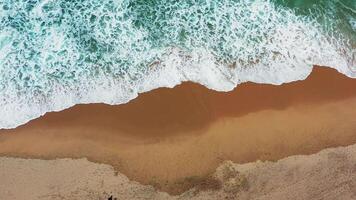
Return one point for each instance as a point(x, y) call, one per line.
point(58, 53)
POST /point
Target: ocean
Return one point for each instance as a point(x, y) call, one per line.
point(58, 53)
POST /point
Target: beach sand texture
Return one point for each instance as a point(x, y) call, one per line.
point(328, 175)
point(167, 137)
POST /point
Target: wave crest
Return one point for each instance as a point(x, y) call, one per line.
point(55, 54)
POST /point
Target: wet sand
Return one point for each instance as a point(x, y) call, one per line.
point(327, 175)
point(167, 136)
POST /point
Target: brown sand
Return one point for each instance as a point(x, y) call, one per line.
point(327, 175)
point(167, 136)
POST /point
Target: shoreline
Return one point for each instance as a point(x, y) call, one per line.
point(328, 174)
point(166, 135)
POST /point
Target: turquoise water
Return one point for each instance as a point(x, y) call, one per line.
point(57, 53)
point(331, 14)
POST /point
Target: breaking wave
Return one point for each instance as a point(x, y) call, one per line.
point(58, 53)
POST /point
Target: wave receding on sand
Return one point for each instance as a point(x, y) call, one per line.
point(52, 60)
point(190, 125)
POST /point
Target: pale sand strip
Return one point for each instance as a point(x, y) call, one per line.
point(168, 137)
point(327, 175)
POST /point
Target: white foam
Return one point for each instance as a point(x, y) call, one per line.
point(288, 48)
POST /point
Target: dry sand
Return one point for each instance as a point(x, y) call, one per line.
point(170, 138)
point(328, 175)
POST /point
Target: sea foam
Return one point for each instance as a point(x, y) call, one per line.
point(55, 54)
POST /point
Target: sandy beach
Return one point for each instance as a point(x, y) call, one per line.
point(328, 175)
point(166, 137)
